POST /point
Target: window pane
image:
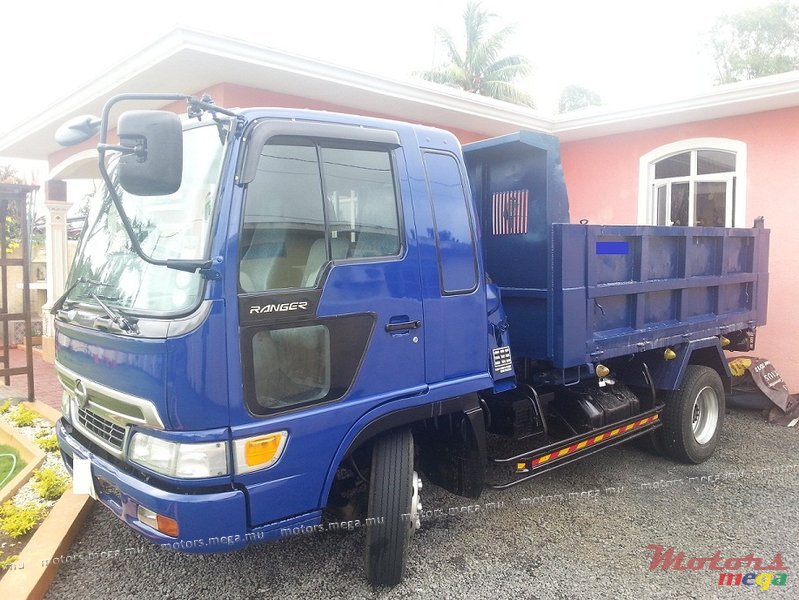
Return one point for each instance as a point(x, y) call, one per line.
point(362, 202)
point(291, 366)
point(714, 161)
point(453, 229)
point(679, 204)
point(284, 225)
point(661, 206)
point(678, 165)
point(710, 204)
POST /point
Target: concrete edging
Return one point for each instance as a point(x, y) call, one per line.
point(53, 538)
point(31, 454)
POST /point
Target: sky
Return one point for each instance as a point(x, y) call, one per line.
point(631, 53)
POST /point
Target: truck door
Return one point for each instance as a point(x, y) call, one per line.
point(455, 301)
point(329, 288)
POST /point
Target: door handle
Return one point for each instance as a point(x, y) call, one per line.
point(405, 326)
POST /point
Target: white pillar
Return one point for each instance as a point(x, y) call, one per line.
point(56, 248)
point(57, 265)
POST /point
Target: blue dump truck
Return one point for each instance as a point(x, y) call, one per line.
point(278, 319)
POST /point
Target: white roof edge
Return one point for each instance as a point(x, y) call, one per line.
point(756, 95)
point(95, 89)
point(737, 98)
point(417, 90)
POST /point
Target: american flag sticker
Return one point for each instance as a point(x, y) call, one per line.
point(510, 212)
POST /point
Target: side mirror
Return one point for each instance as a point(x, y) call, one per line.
point(77, 130)
point(154, 164)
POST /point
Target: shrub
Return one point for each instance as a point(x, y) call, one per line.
point(49, 484)
point(5, 406)
point(22, 416)
point(48, 443)
point(16, 521)
point(8, 561)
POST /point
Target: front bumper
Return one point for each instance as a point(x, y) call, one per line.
point(208, 521)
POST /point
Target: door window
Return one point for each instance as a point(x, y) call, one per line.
point(309, 204)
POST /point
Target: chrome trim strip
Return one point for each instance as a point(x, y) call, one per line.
point(148, 409)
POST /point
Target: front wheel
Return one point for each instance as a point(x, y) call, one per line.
point(393, 507)
point(693, 416)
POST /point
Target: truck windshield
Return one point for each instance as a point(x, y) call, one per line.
point(174, 226)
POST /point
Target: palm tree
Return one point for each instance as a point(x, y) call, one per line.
point(478, 69)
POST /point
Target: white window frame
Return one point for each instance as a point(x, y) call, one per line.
point(647, 201)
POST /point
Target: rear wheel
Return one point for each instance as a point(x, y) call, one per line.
point(394, 506)
point(693, 416)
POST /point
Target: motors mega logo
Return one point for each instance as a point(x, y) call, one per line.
point(749, 570)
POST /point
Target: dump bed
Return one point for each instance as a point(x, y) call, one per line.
point(618, 290)
point(576, 294)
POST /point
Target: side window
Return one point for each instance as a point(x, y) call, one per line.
point(457, 254)
point(311, 203)
point(294, 365)
point(360, 187)
point(284, 221)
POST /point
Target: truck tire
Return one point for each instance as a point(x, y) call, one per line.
point(391, 491)
point(693, 416)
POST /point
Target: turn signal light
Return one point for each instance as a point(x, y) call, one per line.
point(260, 451)
point(165, 525)
point(669, 354)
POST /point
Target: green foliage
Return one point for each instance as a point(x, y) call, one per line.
point(16, 521)
point(48, 443)
point(8, 561)
point(49, 484)
point(575, 97)
point(22, 416)
point(5, 406)
point(756, 42)
point(479, 68)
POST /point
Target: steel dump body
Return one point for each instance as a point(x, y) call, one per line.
point(624, 289)
point(576, 294)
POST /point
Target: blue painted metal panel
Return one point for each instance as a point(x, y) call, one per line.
point(677, 284)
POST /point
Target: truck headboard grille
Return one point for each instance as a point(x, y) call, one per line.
point(509, 214)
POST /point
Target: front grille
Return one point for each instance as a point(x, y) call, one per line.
point(104, 429)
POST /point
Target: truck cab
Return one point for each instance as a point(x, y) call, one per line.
point(279, 318)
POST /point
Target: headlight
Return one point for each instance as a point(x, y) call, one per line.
point(189, 461)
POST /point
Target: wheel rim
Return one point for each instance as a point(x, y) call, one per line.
point(416, 503)
point(705, 415)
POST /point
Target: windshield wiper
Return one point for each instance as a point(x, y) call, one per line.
point(116, 317)
point(61, 300)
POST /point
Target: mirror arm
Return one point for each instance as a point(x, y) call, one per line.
point(138, 150)
point(190, 266)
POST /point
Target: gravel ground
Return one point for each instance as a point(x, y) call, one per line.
point(539, 543)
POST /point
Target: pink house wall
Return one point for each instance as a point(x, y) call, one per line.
point(602, 179)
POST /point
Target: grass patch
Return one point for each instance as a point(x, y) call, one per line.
point(9, 465)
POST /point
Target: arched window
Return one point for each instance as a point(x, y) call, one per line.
point(698, 182)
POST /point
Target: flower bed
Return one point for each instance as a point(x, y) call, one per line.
point(30, 500)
